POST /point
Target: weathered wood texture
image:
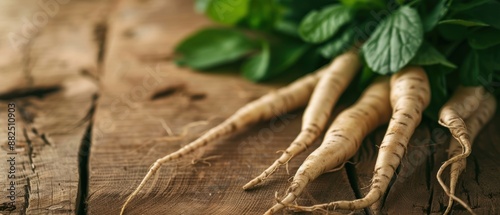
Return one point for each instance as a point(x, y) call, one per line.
point(128, 120)
point(87, 78)
point(47, 50)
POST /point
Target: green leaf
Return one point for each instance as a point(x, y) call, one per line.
point(262, 14)
point(467, 23)
point(463, 6)
point(201, 5)
point(227, 11)
point(292, 12)
point(273, 60)
point(395, 41)
point(487, 13)
point(452, 32)
point(367, 75)
point(364, 4)
point(439, 93)
point(428, 55)
point(319, 26)
point(484, 38)
point(212, 47)
point(338, 44)
point(436, 14)
point(490, 57)
point(470, 70)
point(256, 67)
point(486, 74)
point(284, 55)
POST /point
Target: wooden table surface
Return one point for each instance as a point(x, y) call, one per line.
point(84, 74)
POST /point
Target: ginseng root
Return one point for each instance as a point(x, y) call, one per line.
point(410, 95)
point(343, 138)
point(277, 102)
point(337, 77)
point(481, 108)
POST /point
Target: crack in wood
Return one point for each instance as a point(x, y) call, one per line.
point(100, 34)
point(25, 115)
point(27, 193)
point(477, 169)
point(352, 176)
point(83, 161)
point(168, 91)
point(46, 140)
point(178, 89)
point(39, 92)
point(428, 210)
point(436, 139)
point(29, 143)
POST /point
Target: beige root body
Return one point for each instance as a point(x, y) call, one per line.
point(475, 106)
point(277, 102)
point(343, 138)
point(337, 77)
point(410, 95)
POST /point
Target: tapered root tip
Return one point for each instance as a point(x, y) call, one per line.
point(263, 176)
point(277, 207)
point(286, 202)
point(156, 166)
point(252, 183)
point(448, 208)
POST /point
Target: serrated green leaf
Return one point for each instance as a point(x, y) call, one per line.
point(484, 38)
point(338, 44)
point(467, 23)
point(428, 55)
point(319, 26)
point(213, 47)
point(395, 41)
point(227, 11)
point(436, 14)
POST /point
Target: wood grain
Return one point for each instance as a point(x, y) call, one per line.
point(45, 79)
point(126, 148)
point(100, 99)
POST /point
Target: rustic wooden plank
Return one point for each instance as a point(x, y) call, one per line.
point(128, 121)
point(415, 189)
point(411, 187)
point(47, 79)
point(478, 186)
point(14, 28)
point(410, 174)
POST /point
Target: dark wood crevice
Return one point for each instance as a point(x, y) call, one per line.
point(29, 144)
point(27, 193)
point(352, 176)
point(100, 36)
point(83, 160)
point(38, 92)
